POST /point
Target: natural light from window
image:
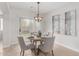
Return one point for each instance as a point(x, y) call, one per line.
point(1, 24)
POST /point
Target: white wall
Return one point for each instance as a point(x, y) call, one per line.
point(10, 29)
point(11, 18)
point(65, 40)
point(11, 24)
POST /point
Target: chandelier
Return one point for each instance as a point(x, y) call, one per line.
point(38, 18)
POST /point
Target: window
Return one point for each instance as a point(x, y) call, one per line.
point(56, 23)
point(1, 24)
point(70, 23)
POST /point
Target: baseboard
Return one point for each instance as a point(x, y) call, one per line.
point(76, 50)
point(5, 46)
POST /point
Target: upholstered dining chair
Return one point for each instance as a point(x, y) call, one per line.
point(47, 46)
point(23, 46)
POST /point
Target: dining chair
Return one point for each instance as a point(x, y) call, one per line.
point(47, 46)
point(23, 46)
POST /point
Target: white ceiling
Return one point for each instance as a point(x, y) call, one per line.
point(45, 7)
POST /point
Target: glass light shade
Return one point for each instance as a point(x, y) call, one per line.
point(38, 18)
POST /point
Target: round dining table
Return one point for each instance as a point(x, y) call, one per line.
point(35, 41)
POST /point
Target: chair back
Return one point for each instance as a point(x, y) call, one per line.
point(21, 42)
point(49, 43)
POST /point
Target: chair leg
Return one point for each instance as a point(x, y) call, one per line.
point(52, 53)
point(23, 53)
point(38, 51)
point(20, 52)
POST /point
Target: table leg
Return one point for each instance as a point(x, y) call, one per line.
point(35, 48)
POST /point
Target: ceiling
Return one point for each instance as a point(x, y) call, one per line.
point(45, 7)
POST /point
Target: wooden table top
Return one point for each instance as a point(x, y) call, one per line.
point(36, 38)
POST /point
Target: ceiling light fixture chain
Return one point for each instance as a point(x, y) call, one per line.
point(38, 18)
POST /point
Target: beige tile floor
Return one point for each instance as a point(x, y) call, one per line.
point(58, 51)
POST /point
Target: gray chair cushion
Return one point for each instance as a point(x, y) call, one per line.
point(48, 44)
point(23, 46)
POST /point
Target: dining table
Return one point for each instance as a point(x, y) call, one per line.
point(35, 41)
